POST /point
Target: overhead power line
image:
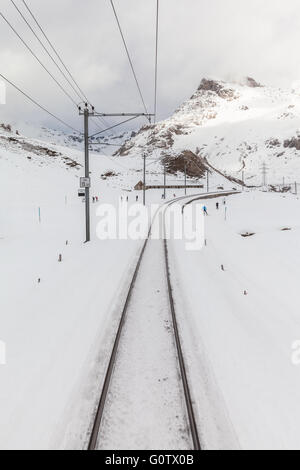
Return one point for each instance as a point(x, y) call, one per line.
point(39, 61)
point(39, 105)
point(113, 127)
point(46, 50)
point(79, 92)
point(128, 55)
point(55, 51)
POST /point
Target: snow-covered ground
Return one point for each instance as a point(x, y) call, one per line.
point(59, 332)
point(239, 347)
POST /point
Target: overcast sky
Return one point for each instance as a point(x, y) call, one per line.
point(198, 38)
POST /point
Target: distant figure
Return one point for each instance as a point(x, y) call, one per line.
point(127, 199)
point(174, 195)
point(224, 201)
point(217, 206)
point(205, 210)
point(97, 199)
point(137, 198)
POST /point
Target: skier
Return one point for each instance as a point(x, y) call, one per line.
point(224, 201)
point(205, 210)
point(217, 206)
point(137, 198)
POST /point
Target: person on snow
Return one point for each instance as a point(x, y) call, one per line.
point(205, 210)
point(217, 206)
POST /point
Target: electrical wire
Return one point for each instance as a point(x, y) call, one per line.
point(46, 50)
point(113, 127)
point(39, 61)
point(128, 55)
point(79, 93)
point(55, 51)
point(39, 105)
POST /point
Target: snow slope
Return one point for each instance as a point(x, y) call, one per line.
point(236, 126)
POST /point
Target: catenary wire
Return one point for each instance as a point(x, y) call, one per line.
point(39, 105)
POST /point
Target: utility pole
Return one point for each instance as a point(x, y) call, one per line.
point(165, 182)
point(264, 174)
point(87, 175)
point(243, 178)
point(296, 188)
point(144, 185)
point(207, 181)
point(85, 182)
point(185, 178)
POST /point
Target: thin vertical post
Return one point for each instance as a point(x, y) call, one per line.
point(184, 178)
point(144, 185)
point(207, 181)
point(87, 175)
point(165, 182)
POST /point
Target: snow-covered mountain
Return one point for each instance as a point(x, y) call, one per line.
point(107, 142)
point(235, 126)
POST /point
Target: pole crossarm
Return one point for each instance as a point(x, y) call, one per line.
point(123, 114)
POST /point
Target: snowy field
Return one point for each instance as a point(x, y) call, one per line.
point(239, 347)
point(59, 332)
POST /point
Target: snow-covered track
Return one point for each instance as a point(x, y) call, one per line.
point(183, 370)
point(94, 438)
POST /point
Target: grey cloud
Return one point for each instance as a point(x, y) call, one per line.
point(198, 38)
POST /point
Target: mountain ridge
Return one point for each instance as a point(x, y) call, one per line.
point(235, 126)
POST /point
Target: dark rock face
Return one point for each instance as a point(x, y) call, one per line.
point(252, 83)
point(218, 88)
point(273, 143)
point(294, 142)
point(6, 127)
point(195, 166)
point(210, 85)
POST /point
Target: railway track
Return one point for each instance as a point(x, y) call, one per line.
point(94, 437)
